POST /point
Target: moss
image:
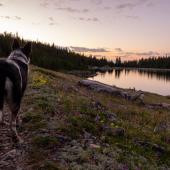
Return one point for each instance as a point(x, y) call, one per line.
point(39, 80)
point(34, 121)
point(46, 104)
point(32, 117)
point(49, 165)
point(44, 141)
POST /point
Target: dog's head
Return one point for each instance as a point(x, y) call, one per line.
point(21, 53)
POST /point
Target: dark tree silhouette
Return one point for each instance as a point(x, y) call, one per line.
point(51, 56)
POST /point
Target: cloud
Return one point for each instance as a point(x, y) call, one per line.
point(17, 18)
point(35, 23)
point(84, 49)
point(118, 50)
point(131, 5)
point(126, 5)
point(73, 10)
point(93, 19)
point(51, 18)
point(11, 17)
point(107, 8)
point(145, 53)
point(44, 4)
point(148, 53)
point(131, 17)
point(52, 24)
point(1, 4)
point(97, 2)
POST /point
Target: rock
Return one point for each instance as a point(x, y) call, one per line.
point(158, 148)
point(94, 146)
point(166, 105)
point(162, 127)
point(117, 132)
point(154, 147)
point(115, 91)
point(98, 105)
point(112, 117)
point(159, 106)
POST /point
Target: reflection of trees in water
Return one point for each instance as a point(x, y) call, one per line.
point(118, 73)
point(158, 74)
point(127, 71)
point(102, 74)
point(110, 71)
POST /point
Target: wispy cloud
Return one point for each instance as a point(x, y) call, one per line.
point(131, 5)
point(53, 23)
point(93, 19)
point(35, 23)
point(126, 5)
point(1, 4)
point(132, 17)
point(118, 50)
point(107, 8)
point(97, 2)
point(84, 49)
point(44, 3)
point(11, 17)
point(129, 53)
point(73, 10)
point(51, 18)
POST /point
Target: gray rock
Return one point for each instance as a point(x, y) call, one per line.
point(162, 127)
point(119, 132)
point(111, 117)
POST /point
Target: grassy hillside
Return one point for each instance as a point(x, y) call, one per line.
point(69, 127)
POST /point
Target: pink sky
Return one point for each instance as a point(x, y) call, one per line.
point(127, 28)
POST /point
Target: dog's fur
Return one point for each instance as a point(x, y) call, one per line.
point(13, 81)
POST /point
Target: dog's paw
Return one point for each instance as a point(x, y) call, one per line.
point(16, 138)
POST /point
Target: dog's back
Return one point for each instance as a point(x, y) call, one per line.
point(10, 84)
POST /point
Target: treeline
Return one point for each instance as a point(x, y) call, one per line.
point(51, 56)
point(152, 62)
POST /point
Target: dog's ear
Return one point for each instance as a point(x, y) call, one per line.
point(27, 49)
point(15, 44)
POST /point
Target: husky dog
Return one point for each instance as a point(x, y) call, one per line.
point(13, 81)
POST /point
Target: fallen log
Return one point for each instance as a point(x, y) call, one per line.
point(115, 91)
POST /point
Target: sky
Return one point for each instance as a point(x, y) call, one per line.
point(127, 28)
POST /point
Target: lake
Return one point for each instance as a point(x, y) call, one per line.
point(150, 80)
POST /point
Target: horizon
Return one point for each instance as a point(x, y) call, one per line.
point(130, 29)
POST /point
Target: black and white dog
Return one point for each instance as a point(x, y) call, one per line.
point(13, 81)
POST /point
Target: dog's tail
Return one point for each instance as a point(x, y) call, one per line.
point(11, 71)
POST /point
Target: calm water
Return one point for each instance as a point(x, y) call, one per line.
point(155, 81)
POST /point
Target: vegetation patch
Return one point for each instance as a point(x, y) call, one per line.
point(44, 141)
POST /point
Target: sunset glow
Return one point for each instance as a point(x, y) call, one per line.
point(127, 28)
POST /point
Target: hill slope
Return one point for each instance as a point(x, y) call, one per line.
point(66, 126)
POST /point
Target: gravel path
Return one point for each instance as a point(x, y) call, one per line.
point(10, 152)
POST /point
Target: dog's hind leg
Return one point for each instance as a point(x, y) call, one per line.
point(1, 117)
point(13, 121)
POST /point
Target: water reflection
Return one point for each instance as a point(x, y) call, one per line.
point(152, 80)
point(150, 73)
